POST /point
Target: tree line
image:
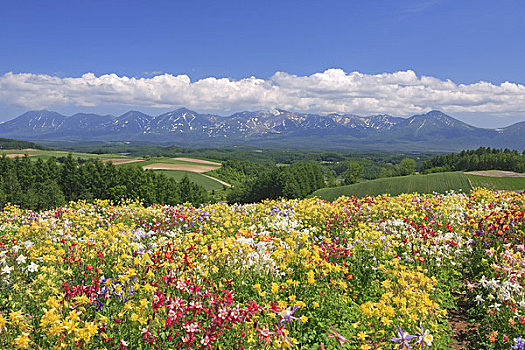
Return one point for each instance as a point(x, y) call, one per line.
point(46, 184)
point(271, 182)
point(483, 158)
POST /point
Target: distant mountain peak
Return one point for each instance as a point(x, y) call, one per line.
point(432, 130)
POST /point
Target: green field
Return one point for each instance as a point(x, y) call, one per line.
point(497, 183)
point(48, 154)
point(439, 182)
point(207, 183)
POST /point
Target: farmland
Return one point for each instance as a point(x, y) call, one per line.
point(440, 183)
point(507, 182)
point(172, 167)
point(355, 273)
point(208, 183)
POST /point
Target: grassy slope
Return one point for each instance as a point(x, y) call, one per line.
point(497, 183)
point(47, 154)
point(440, 182)
point(197, 178)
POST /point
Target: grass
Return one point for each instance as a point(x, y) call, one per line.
point(440, 182)
point(199, 179)
point(497, 183)
point(48, 154)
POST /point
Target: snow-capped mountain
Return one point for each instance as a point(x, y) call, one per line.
point(433, 130)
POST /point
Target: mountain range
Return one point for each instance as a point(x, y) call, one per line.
point(433, 131)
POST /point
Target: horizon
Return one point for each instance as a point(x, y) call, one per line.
point(117, 115)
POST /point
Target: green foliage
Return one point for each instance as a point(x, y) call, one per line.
point(272, 182)
point(406, 167)
point(17, 144)
point(48, 184)
point(199, 179)
point(353, 173)
point(480, 159)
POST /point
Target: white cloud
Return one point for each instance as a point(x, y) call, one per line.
point(399, 93)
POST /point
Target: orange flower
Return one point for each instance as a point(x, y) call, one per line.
point(493, 336)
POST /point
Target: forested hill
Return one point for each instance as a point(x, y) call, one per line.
point(17, 144)
point(49, 184)
point(483, 158)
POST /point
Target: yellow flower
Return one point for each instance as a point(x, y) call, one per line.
point(362, 336)
point(134, 317)
point(304, 319)
point(149, 288)
point(315, 304)
point(311, 277)
point(16, 317)
point(3, 322)
point(22, 341)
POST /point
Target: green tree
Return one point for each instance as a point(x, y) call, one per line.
point(353, 173)
point(406, 167)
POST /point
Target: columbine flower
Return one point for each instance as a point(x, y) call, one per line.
point(7, 270)
point(424, 338)
point(287, 315)
point(340, 339)
point(519, 343)
point(32, 267)
point(265, 335)
point(479, 299)
point(21, 259)
point(403, 339)
point(470, 286)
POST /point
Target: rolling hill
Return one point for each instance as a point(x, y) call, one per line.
point(438, 182)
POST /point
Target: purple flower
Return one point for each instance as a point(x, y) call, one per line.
point(403, 339)
point(424, 339)
point(287, 315)
point(520, 343)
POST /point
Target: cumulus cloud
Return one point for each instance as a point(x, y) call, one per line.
point(398, 93)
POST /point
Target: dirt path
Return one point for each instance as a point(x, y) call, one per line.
point(460, 323)
point(219, 181)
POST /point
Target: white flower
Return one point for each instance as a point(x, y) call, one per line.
point(28, 244)
point(21, 259)
point(428, 338)
point(479, 299)
point(7, 270)
point(16, 248)
point(32, 267)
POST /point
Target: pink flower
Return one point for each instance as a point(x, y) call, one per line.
point(340, 339)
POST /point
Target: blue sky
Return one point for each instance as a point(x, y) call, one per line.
point(462, 41)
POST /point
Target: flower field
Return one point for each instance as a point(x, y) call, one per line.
point(358, 273)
